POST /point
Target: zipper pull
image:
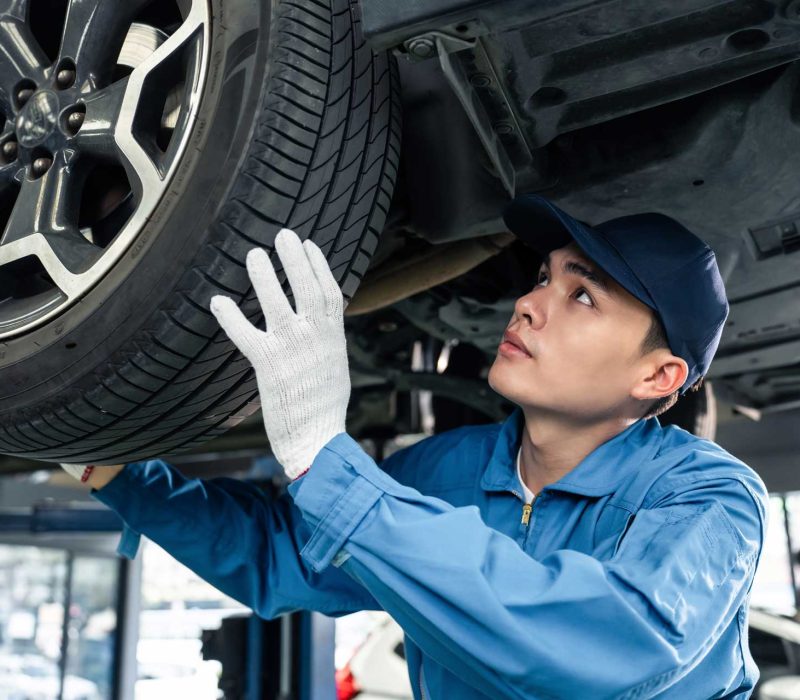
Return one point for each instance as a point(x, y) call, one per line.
point(527, 508)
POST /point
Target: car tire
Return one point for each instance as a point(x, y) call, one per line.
point(298, 126)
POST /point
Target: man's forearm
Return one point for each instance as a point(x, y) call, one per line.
point(240, 539)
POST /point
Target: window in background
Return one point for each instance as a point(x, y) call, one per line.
point(92, 624)
point(36, 582)
point(793, 524)
point(772, 587)
point(176, 606)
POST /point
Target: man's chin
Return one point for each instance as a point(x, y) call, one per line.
point(506, 383)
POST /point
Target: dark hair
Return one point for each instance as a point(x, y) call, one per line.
point(657, 338)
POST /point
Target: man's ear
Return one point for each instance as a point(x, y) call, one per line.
point(664, 374)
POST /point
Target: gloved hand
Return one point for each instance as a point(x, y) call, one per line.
point(301, 359)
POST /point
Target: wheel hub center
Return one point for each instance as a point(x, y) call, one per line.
point(38, 118)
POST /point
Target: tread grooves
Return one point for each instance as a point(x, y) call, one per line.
point(277, 171)
point(277, 150)
point(310, 28)
point(144, 371)
point(294, 102)
point(258, 214)
point(303, 8)
point(269, 185)
point(302, 71)
point(168, 349)
point(241, 234)
point(187, 329)
point(303, 39)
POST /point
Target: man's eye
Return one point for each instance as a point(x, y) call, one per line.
point(542, 279)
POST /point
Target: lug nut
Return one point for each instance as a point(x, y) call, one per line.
point(10, 151)
point(75, 121)
point(24, 95)
point(41, 165)
point(65, 77)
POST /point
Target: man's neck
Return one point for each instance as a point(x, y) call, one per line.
point(552, 448)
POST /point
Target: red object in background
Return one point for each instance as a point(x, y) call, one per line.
point(346, 686)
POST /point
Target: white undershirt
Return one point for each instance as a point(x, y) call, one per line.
point(528, 493)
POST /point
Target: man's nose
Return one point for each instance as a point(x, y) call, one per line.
point(531, 309)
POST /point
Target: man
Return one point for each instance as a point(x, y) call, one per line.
point(624, 570)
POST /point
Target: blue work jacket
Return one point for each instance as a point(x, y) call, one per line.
point(630, 579)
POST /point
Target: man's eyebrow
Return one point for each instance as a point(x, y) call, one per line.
point(578, 268)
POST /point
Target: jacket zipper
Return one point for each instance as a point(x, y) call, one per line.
point(421, 686)
point(527, 508)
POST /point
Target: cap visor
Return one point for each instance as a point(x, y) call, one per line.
point(544, 227)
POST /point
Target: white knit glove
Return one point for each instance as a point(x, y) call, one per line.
point(301, 360)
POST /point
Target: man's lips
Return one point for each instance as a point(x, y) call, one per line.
point(516, 341)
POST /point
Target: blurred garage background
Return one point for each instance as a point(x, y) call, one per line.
point(77, 622)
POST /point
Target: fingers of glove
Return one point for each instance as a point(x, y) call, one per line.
point(268, 289)
point(235, 324)
point(299, 273)
point(334, 302)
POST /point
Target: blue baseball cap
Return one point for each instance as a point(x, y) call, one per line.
point(655, 258)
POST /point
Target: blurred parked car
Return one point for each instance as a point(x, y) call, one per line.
point(34, 678)
point(377, 669)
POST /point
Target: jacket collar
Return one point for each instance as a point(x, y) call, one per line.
point(598, 474)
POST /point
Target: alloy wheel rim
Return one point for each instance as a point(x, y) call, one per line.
point(89, 144)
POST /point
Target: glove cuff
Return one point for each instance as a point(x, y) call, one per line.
point(297, 456)
point(81, 472)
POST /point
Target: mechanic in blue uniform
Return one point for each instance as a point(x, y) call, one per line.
point(578, 549)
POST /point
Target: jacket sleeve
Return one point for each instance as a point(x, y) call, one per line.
point(568, 625)
point(231, 534)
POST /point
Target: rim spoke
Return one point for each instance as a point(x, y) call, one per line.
point(20, 224)
point(96, 136)
point(11, 174)
point(37, 245)
point(71, 250)
point(94, 31)
point(49, 206)
point(144, 175)
point(20, 57)
point(175, 42)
